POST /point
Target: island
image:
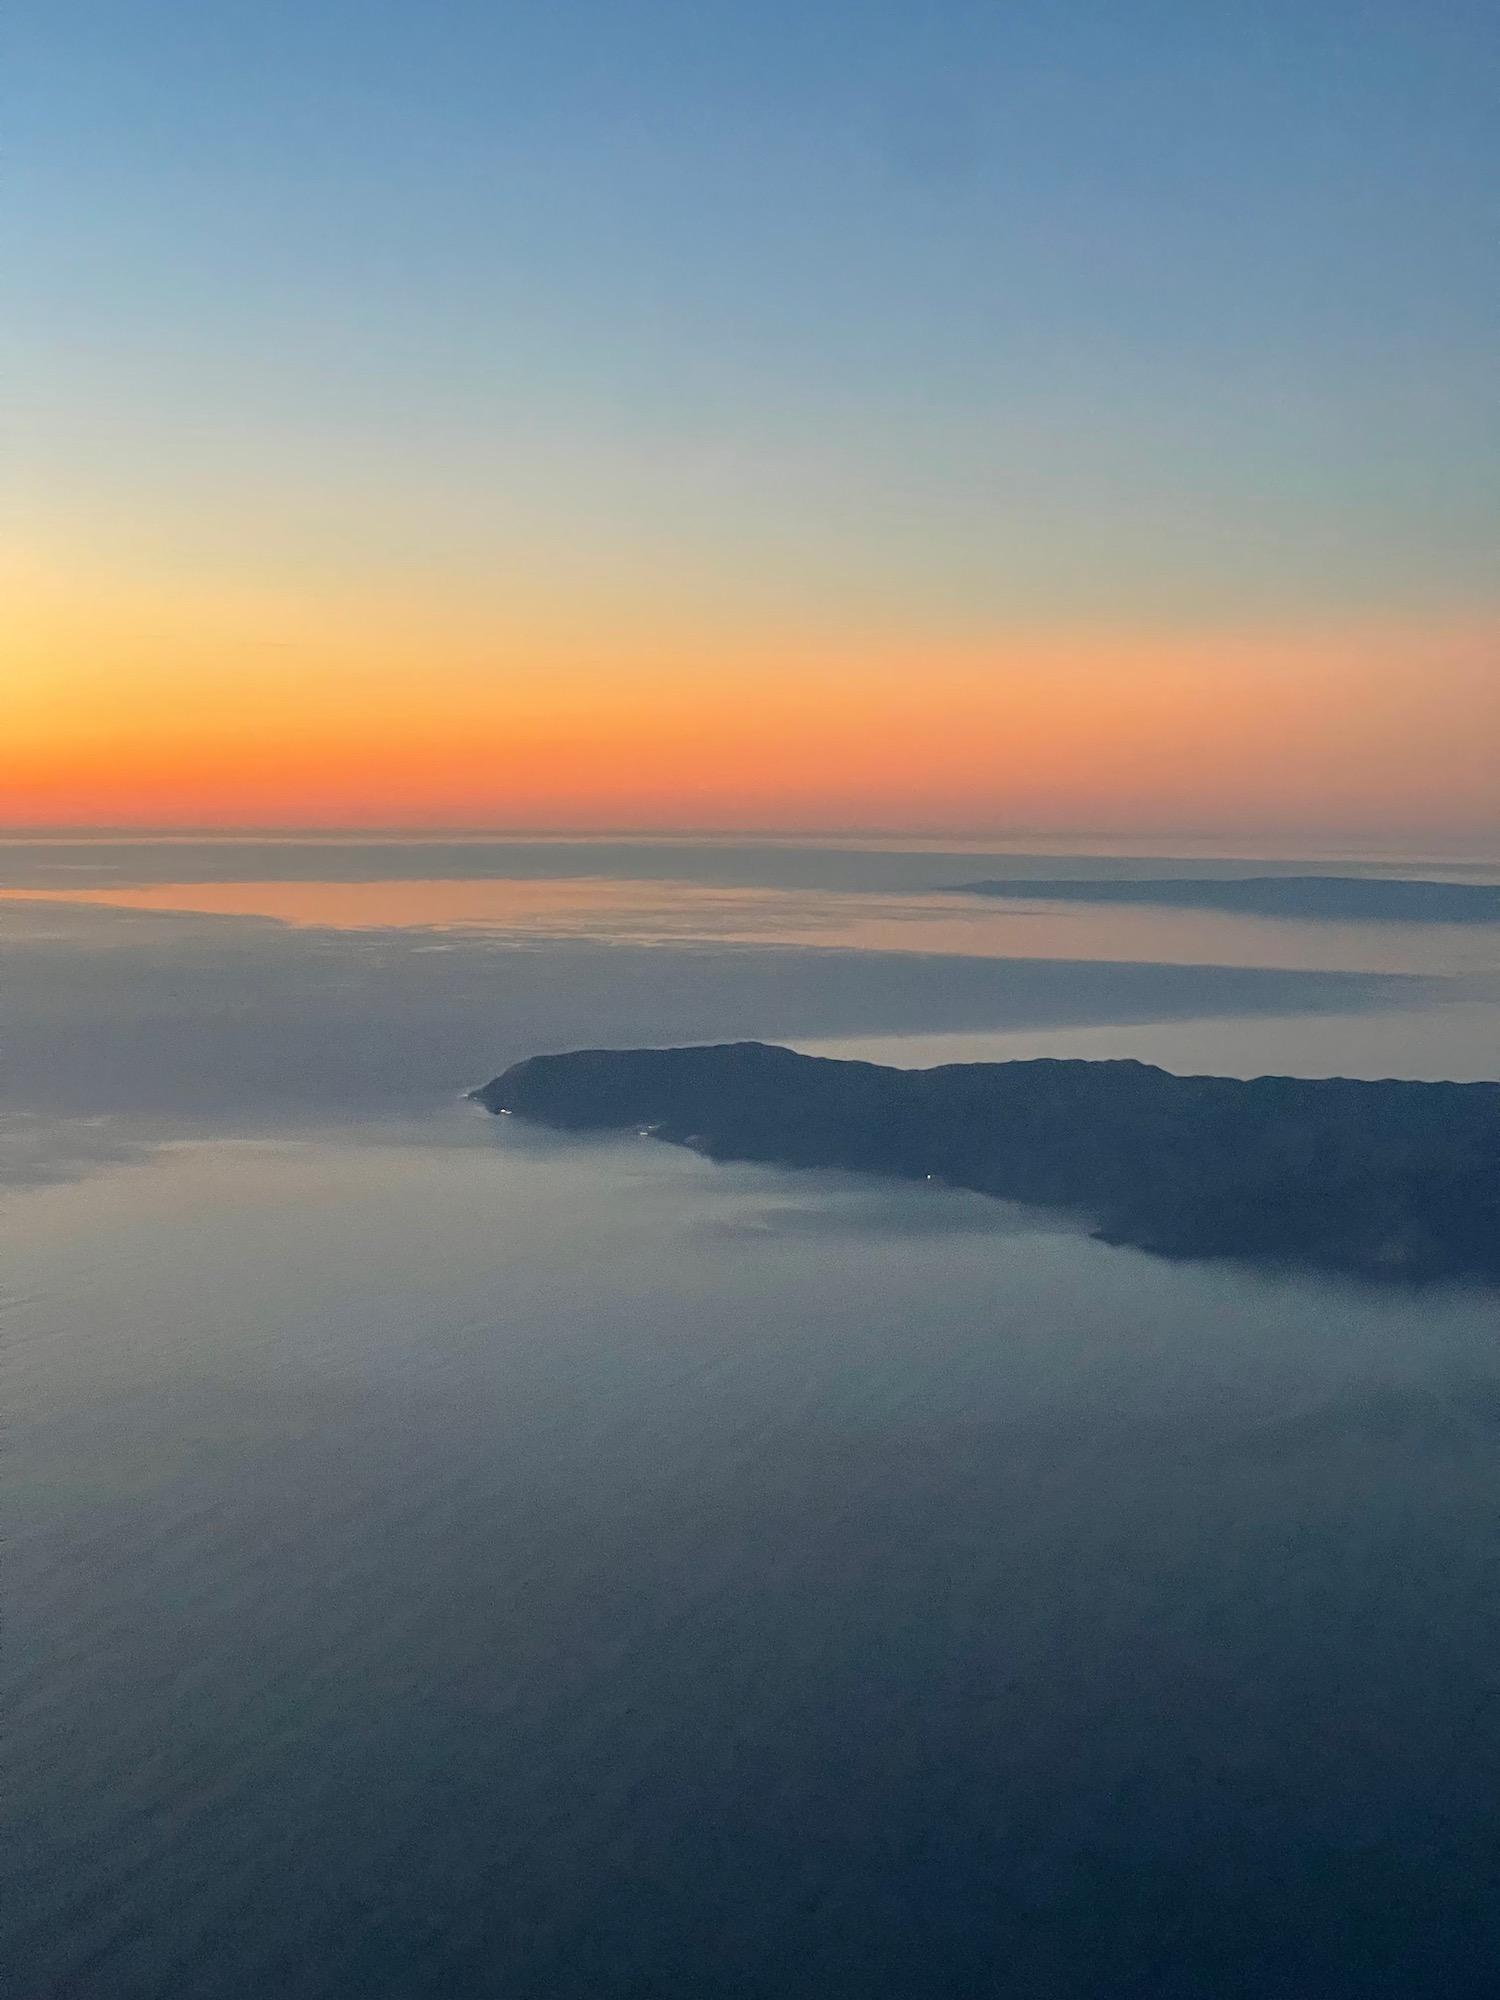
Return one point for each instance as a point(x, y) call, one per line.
point(1387, 1179)
point(1308, 898)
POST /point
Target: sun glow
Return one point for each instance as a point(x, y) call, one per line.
point(172, 704)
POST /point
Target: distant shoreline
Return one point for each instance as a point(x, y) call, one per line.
point(1304, 898)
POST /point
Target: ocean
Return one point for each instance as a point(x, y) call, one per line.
point(445, 1558)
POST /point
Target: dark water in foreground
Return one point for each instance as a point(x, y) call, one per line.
point(441, 1560)
point(460, 1564)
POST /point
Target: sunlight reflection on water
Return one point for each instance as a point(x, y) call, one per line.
point(652, 912)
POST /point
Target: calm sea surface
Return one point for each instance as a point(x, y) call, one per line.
point(446, 1560)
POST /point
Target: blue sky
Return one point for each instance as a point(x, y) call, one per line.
point(920, 267)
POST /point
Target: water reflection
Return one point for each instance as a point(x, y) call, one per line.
point(607, 909)
point(1453, 1038)
point(450, 1559)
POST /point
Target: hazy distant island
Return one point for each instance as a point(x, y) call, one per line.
point(1316, 898)
point(1389, 1179)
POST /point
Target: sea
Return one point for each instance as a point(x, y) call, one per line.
point(447, 1558)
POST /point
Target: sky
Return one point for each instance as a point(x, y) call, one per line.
point(937, 416)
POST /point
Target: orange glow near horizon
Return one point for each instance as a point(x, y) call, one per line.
point(174, 707)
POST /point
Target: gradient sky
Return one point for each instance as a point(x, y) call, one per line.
point(833, 415)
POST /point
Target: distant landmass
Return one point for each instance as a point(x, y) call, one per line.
point(1387, 1179)
point(1336, 898)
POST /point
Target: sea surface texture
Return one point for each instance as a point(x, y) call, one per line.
point(445, 1558)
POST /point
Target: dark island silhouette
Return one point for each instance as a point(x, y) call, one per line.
point(1314, 898)
point(1387, 1179)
